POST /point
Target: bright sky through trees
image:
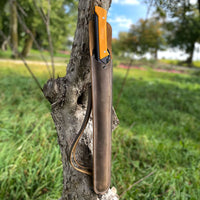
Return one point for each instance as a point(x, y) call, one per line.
point(124, 13)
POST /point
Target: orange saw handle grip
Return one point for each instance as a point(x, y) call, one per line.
point(100, 27)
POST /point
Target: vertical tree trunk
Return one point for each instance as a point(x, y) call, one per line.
point(5, 44)
point(13, 28)
point(68, 97)
point(28, 44)
point(156, 54)
point(191, 53)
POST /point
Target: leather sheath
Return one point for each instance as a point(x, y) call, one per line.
point(101, 76)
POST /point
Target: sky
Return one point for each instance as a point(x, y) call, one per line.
point(123, 13)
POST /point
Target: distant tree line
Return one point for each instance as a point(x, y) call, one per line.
point(24, 21)
point(171, 25)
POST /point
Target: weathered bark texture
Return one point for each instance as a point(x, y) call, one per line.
point(13, 28)
point(68, 97)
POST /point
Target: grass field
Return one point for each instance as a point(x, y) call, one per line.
point(35, 55)
point(176, 62)
point(159, 132)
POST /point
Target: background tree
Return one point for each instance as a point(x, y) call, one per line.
point(145, 36)
point(14, 28)
point(184, 32)
point(4, 22)
point(26, 17)
point(61, 22)
point(172, 6)
point(122, 44)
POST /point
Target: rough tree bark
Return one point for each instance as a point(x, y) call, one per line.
point(13, 28)
point(68, 97)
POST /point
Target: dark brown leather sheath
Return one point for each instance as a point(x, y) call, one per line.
point(101, 76)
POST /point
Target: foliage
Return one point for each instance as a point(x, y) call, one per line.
point(145, 36)
point(121, 44)
point(163, 109)
point(184, 32)
point(174, 7)
point(63, 16)
point(62, 22)
point(4, 17)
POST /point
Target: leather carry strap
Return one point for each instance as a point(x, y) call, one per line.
point(81, 168)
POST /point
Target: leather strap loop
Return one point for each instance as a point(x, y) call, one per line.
point(81, 168)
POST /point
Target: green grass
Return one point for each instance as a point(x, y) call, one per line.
point(35, 55)
point(165, 137)
point(164, 109)
point(177, 62)
point(30, 162)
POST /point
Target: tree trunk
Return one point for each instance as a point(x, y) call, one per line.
point(156, 54)
point(191, 53)
point(68, 97)
point(28, 44)
point(5, 44)
point(13, 28)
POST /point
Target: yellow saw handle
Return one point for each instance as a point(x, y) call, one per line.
point(100, 27)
